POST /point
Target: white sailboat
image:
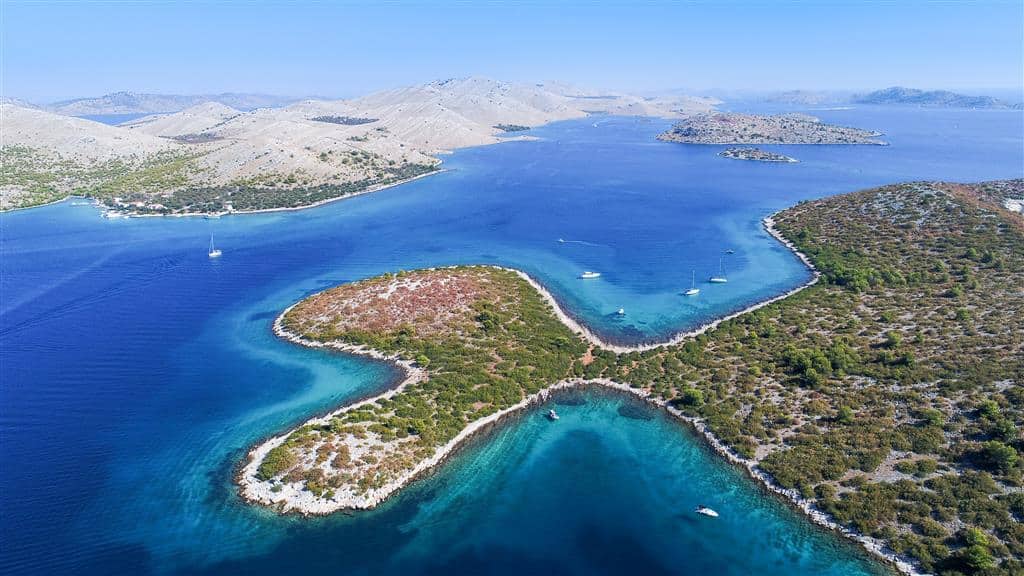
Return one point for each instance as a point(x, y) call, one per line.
point(720, 279)
point(693, 291)
point(214, 252)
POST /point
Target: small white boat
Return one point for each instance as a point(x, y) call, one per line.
point(561, 240)
point(730, 251)
point(693, 291)
point(720, 279)
point(621, 312)
point(214, 252)
point(552, 415)
point(705, 511)
point(588, 275)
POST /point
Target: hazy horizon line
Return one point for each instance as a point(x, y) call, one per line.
point(676, 91)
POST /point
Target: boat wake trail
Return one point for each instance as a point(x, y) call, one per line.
point(583, 242)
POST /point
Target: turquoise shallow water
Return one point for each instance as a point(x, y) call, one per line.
point(136, 372)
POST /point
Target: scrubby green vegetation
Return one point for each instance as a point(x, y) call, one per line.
point(512, 127)
point(889, 393)
point(140, 181)
point(198, 138)
point(40, 178)
point(165, 183)
point(246, 196)
point(486, 338)
point(344, 120)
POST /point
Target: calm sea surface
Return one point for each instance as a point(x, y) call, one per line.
point(136, 372)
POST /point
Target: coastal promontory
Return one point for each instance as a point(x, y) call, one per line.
point(884, 399)
point(734, 128)
point(474, 342)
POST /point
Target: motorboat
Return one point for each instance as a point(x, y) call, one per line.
point(705, 511)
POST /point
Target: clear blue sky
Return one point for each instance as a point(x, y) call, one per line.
point(62, 49)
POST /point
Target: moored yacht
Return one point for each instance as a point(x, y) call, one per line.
point(214, 252)
point(621, 312)
point(693, 291)
point(552, 415)
point(587, 275)
point(720, 278)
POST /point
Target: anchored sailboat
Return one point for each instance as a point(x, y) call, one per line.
point(693, 291)
point(720, 279)
point(214, 252)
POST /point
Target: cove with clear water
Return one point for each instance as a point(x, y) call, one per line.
point(136, 372)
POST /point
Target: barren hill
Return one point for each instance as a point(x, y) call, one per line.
point(193, 120)
point(74, 138)
point(141, 103)
point(306, 152)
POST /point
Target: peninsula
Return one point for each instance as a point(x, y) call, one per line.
point(755, 154)
point(885, 400)
point(733, 128)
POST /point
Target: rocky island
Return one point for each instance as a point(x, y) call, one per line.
point(733, 128)
point(755, 154)
point(884, 400)
point(898, 95)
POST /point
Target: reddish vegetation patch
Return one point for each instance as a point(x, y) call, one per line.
point(991, 196)
point(588, 358)
point(428, 302)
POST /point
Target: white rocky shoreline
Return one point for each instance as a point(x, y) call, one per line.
point(291, 499)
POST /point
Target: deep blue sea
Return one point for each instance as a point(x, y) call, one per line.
point(135, 372)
